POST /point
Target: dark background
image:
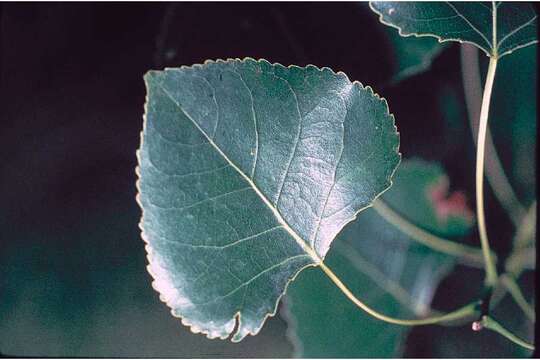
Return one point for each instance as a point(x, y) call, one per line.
point(72, 265)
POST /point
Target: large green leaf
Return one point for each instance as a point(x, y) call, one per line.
point(389, 270)
point(498, 28)
point(247, 172)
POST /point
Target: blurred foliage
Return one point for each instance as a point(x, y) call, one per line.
point(514, 113)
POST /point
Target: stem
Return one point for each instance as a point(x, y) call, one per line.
point(523, 256)
point(472, 254)
point(495, 174)
point(491, 324)
point(491, 273)
point(527, 229)
point(515, 266)
point(513, 288)
point(521, 259)
point(461, 313)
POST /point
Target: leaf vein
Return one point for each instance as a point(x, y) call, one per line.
point(213, 198)
point(297, 140)
point(470, 24)
point(232, 292)
point(221, 247)
point(516, 30)
point(254, 116)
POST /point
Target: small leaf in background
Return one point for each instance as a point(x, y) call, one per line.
point(464, 22)
point(390, 271)
point(412, 56)
point(247, 172)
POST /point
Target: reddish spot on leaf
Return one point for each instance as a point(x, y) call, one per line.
point(448, 205)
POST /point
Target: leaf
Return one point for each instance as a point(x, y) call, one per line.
point(247, 172)
point(412, 56)
point(393, 273)
point(498, 28)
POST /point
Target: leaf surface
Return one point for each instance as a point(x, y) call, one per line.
point(247, 172)
point(393, 273)
point(498, 28)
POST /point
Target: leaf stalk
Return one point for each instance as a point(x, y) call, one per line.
point(461, 313)
point(491, 272)
point(491, 324)
point(495, 173)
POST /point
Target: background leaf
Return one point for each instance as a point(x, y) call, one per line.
point(412, 56)
point(248, 170)
point(390, 271)
point(514, 112)
point(464, 22)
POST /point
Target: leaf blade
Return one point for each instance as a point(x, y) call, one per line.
point(262, 144)
point(497, 29)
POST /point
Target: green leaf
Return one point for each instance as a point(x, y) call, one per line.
point(393, 273)
point(247, 172)
point(412, 56)
point(498, 28)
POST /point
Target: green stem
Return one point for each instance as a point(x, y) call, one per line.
point(464, 312)
point(523, 255)
point(513, 288)
point(472, 254)
point(495, 174)
point(491, 273)
point(520, 260)
point(491, 324)
point(527, 229)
